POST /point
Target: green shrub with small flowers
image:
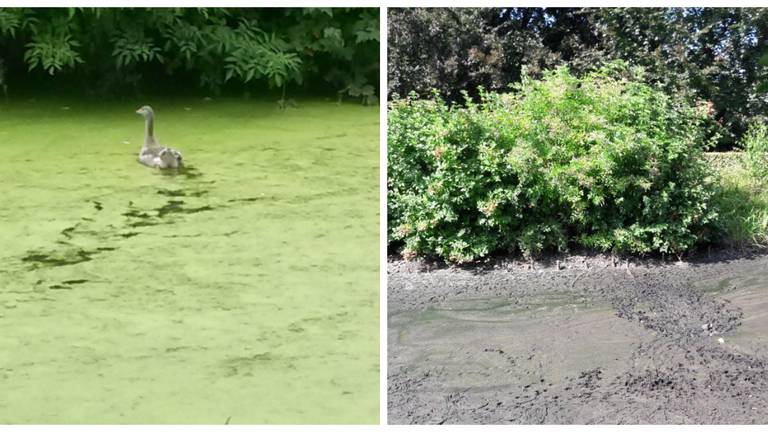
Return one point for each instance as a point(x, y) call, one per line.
point(603, 161)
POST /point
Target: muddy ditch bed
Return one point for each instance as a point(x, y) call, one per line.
point(580, 340)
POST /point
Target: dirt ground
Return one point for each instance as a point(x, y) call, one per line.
point(579, 340)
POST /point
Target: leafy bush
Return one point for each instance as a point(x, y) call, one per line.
point(105, 48)
point(714, 54)
point(755, 146)
point(605, 162)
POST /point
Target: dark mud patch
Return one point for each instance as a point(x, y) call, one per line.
point(636, 344)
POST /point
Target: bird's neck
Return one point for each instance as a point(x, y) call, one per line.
point(149, 130)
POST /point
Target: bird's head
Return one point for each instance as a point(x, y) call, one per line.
point(145, 111)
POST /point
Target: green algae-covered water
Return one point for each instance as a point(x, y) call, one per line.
point(241, 290)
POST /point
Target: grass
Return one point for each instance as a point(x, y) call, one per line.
point(743, 201)
point(244, 290)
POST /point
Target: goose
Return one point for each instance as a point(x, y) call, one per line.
point(152, 153)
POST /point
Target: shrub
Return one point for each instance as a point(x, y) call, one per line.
point(105, 50)
point(604, 162)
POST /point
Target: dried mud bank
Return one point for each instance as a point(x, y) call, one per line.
point(580, 340)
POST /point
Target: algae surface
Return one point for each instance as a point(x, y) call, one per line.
point(243, 289)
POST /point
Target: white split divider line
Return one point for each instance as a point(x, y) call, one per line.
point(383, 215)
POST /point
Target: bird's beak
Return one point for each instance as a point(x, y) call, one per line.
point(138, 111)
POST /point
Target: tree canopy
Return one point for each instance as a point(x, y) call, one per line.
point(113, 50)
point(718, 55)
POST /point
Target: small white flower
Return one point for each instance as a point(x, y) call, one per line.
point(721, 340)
